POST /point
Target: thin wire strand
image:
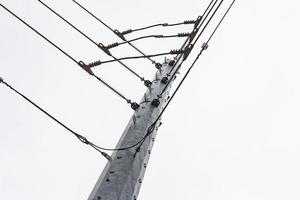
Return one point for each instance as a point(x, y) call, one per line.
point(99, 20)
point(91, 40)
point(66, 54)
point(150, 129)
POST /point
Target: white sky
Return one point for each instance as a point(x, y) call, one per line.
point(231, 133)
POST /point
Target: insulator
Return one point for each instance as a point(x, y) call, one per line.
point(112, 45)
point(94, 64)
point(127, 31)
point(183, 34)
point(176, 51)
point(189, 22)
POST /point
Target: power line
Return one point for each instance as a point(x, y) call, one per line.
point(116, 32)
point(116, 44)
point(203, 48)
point(99, 62)
point(134, 105)
point(146, 82)
point(161, 24)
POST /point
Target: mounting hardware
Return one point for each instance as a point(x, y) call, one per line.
point(85, 67)
point(147, 83)
point(134, 105)
point(164, 80)
point(155, 102)
point(172, 63)
point(158, 65)
point(119, 34)
point(187, 51)
point(104, 48)
point(204, 46)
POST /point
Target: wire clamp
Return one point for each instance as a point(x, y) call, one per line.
point(106, 156)
point(147, 83)
point(1, 79)
point(189, 22)
point(104, 48)
point(134, 105)
point(204, 46)
point(198, 20)
point(158, 65)
point(155, 102)
point(164, 80)
point(119, 34)
point(187, 51)
point(86, 68)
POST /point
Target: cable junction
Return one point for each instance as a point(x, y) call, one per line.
point(116, 32)
point(85, 67)
point(203, 48)
point(147, 83)
point(116, 44)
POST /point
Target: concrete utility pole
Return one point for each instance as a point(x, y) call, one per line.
point(122, 177)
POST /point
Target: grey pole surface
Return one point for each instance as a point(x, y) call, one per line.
point(122, 177)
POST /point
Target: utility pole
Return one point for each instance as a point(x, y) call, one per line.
point(122, 177)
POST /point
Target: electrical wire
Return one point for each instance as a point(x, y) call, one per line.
point(203, 48)
point(205, 16)
point(116, 32)
point(97, 63)
point(91, 40)
point(116, 44)
point(134, 105)
point(77, 135)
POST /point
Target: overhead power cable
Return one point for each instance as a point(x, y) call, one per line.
point(147, 83)
point(194, 22)
point(99, 62)
point(116, 44)
point(79, 136)
point(203, 48)
point(116, 32)
point(189, 44)
point(134, 105)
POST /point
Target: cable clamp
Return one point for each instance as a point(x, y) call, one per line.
point(198, 20)
point(193, 34)
point(187, 51)
point(147, 83)
point(165, 24)
point(86, 68)
point(106, 156)
point(104, 48)
point(119, 34)
point(204, 46)
point(134, 105)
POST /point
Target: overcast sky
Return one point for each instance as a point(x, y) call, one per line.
point(231, 133)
